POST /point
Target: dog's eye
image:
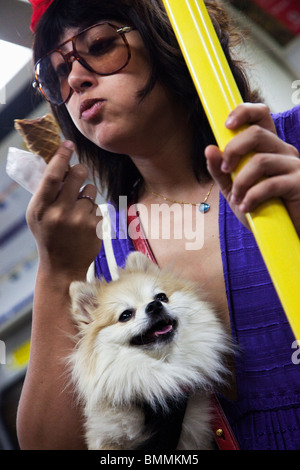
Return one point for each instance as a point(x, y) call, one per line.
point(125, 316)
point(162, 297)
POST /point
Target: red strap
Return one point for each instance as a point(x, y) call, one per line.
point(223, 434)
point(139, 241)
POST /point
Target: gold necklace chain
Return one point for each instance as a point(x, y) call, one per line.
point(203, 206)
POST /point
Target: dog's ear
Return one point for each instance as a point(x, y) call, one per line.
point(84, 301)
point(138, 262)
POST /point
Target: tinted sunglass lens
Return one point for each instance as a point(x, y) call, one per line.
point(100, 49)
point(49, 80)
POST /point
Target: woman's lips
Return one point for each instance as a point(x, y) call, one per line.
point(89, 109)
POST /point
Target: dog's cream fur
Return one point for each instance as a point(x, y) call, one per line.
point(112, 376)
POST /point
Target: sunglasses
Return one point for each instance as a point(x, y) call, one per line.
point(102, 49)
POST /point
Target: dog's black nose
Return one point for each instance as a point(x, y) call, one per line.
point(154, 307)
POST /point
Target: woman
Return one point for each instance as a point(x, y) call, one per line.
point(135, 118)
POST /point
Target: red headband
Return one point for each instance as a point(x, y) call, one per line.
point(39, 7)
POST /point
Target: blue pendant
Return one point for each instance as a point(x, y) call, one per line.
point(203, 208)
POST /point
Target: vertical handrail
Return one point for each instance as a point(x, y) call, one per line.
point(270, 223)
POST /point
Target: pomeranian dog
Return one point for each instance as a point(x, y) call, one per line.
point(145, 342)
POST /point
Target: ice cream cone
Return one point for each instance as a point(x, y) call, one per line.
point(41, 136)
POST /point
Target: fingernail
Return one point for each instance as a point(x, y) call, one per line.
point(233, 200)
point(230, 121)
point(224, 167)
point(243, 207)
point(69, 145)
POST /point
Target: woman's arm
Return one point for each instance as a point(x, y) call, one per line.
point(48, 417)
point(65, 231)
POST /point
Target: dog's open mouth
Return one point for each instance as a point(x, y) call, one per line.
point(163, 330)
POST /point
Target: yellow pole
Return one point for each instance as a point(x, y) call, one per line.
point(271, 225)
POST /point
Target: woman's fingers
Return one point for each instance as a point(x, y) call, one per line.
point(55, 174)
point(251, 113)
point(61, 183)
point(73, 181)
point(260, 136)
point(214, 159)
point(272, 171)
point(266, 176)
point(253, 140)
point(86, 198)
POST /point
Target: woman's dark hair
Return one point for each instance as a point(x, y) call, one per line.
point(117, 174)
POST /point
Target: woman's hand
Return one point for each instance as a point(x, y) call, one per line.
point(272, 171)
point(63, 225)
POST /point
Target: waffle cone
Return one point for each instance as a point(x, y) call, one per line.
point(41, 136)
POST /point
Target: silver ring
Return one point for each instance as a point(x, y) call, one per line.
point(90, 198)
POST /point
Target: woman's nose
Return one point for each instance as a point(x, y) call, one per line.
point(81, 78)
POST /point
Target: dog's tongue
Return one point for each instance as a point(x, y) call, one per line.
point(163, 330)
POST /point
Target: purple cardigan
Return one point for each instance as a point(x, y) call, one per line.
point(266, 414)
